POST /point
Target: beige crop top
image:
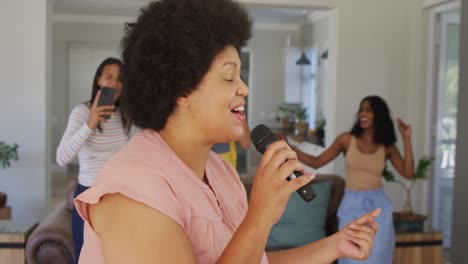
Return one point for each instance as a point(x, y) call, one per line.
point(364, 171)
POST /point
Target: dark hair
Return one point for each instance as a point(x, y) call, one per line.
point(170, 48)
point(384, 132)
point(95, 89)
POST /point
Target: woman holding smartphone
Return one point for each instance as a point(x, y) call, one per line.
point(95, 132)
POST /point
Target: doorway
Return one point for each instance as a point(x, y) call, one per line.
point(446, 26)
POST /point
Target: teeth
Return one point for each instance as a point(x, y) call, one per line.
point(364, 119)
point(240, 108)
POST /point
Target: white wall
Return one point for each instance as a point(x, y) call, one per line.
point(23, 105)
point(267, 87)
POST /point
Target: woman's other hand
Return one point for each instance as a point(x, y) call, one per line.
point(404, 128)
point(356, 239)
point(97, 113)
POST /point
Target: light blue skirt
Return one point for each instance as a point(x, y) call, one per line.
point(357, 203)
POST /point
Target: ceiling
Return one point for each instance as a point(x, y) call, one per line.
point(129, 8)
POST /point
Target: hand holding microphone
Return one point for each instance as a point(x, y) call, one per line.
point(271, 189)
point(262, 137)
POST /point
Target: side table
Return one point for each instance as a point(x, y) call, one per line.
point(415, 248)
point(13, 237)
point(5, 213)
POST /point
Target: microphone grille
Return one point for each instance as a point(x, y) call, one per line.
point(258, 133)
point(262, 137)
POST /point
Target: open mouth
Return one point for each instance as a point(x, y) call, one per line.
point(239, 112)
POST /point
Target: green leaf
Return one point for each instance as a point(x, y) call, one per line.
point(388, 175)
point(8, 153)
point(422, 170)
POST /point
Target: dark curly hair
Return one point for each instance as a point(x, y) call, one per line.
point(108, 61)
point(384, 132)
point(170, 48)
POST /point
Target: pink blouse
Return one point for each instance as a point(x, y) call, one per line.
point(148, 171)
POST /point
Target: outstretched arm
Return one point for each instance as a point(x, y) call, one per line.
point(328, 155)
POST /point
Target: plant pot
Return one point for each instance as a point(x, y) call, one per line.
point(288, 124)
point(302, 128)
point(408, 222)
point(3, 199)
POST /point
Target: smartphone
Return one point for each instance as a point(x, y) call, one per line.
point(106, 98)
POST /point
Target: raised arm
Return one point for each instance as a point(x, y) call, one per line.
point(80, 125)
point(404, 165)
point(76, 134)
point(328, 155)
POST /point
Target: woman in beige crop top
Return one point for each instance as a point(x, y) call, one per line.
point(369, 144)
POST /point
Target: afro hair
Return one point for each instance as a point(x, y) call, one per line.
point(170, 48)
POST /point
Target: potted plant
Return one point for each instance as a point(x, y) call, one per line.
point(320, 131)
point(286, 116)
point(7, 153)
point(407, 220)
point(302, 124)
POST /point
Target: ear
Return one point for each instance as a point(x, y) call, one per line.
point(184, 101)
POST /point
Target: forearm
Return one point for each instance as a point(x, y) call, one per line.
point(323, 251)
point(408, 166)
point(247, 244)
point(307, 159)
point(71, 144)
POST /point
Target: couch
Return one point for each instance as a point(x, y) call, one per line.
point(51, 242)
point(336, 194)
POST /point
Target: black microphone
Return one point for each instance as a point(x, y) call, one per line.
point(262, 137)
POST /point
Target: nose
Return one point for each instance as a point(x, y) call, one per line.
point(243, 90)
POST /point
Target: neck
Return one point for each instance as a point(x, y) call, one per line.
point(188, 146)
point(368, 135)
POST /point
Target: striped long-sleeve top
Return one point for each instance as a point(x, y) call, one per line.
point(93, 147)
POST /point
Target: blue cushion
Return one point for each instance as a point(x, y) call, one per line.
point(301, 222)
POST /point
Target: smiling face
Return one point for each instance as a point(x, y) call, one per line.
point(110, 77)
point(217, 104)
point(366, 115)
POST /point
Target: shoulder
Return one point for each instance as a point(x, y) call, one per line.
point(80, 110)
point(138, 226)
point(344, 138)
point(141, 181)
